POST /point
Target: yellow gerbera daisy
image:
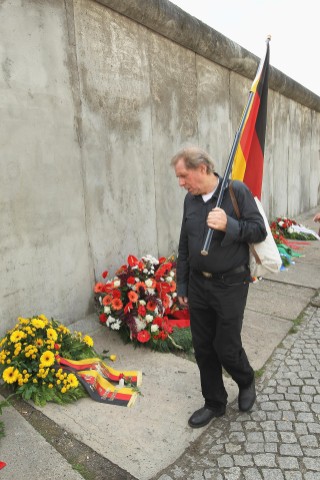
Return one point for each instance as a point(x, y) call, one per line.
point(72, 380)
point(36, 322)
point(88, 340)
point(10, 375)
point(23, 321)
point(52, 334)
point(47, 358)
point(17, 336)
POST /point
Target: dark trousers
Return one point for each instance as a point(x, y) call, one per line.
point(216, 316)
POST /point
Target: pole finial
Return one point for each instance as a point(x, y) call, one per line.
point(268, 38)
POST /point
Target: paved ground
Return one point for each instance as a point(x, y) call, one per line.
point(277, 440)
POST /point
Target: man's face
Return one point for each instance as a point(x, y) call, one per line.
point(189, 178)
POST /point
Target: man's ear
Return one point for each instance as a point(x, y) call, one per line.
point(203, 168)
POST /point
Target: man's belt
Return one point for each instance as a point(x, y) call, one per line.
point(242, 268)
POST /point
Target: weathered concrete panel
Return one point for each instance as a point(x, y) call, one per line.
point(174, 122)
point(294, 161)
point(117, 135)
point(44, 249)
point(305, 159)
point(315, 160)
point(213, 111)
point(280, 129)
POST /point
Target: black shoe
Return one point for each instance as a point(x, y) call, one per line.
point(247, 397)
point(202, 417)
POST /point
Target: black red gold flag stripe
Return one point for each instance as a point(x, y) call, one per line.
point(97, 377)
point(249, 156)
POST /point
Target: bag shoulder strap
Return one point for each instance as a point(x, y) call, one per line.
point(234, 200)
point(236, 209)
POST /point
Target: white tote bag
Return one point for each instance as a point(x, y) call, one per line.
point(264, 257)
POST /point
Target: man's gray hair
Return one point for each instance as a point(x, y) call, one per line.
point(193, 157)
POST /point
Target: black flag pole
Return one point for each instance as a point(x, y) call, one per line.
point(206, 245)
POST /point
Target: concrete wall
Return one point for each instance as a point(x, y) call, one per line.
point(95, 98)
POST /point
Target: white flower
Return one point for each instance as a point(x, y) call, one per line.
point(150, 259)
point(149, 283)
point(171, 274)
point(100, 300)
point(140, 324)
point(137, 279)
point(151, 291)
point(145, 270)
point(107, 309)
point(174, 294)
point(110, 320)
point(290, 230)
point(149, 318)
point(280, 223)
point(116, 283)
point(169, 279)
point(154, 328)
point(116, 325)
point(142, 302)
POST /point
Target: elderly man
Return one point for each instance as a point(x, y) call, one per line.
point(215, 287)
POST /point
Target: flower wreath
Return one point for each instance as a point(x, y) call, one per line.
point(28, 364)
point(140, 301)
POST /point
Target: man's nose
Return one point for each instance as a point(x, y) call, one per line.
point(182, 182)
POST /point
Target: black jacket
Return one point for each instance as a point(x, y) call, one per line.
point(229, 249)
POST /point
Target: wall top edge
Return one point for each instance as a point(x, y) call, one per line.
point(172, 22)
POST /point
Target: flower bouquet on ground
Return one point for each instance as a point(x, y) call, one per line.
point(43, 361)
point(289, 237)
point(28, 360)
point(288, 228)
point(140, 302)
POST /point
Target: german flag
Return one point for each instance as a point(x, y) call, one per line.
point(248, 159)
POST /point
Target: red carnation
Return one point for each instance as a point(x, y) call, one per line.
point(157, 321)
point(161, 335)
point(165, 287)
point(103, 318)
point(142, 310)
point(105, 274)
point(116, 293)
